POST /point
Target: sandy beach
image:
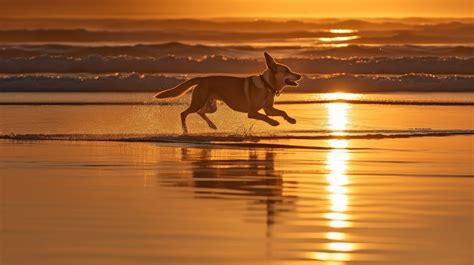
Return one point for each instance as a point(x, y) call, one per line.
point(145, 203)
point(346, 198)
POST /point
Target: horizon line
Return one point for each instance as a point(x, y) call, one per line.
point(170, 17)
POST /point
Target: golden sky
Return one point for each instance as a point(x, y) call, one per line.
point(237, 8)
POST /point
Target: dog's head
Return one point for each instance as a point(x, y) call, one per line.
point(282, 74)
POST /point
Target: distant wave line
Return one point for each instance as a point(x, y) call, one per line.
point(285, 102)
point(242, 50)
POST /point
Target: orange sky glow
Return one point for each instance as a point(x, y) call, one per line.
point(236, 8)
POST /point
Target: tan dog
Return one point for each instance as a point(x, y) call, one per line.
point(248, 95)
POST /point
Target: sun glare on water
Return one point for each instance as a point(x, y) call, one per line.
point(338, 250)
point(337, 119)
point(337, 111)
point(342, 31)
point(340, 96)
point(337, 39)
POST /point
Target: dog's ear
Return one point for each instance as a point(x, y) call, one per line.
point(271, 64)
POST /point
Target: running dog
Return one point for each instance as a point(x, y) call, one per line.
point(243, 94)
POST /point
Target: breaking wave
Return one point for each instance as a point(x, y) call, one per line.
point(95, 63)
point(134, 82)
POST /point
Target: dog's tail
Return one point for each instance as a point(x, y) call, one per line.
point(178, 90)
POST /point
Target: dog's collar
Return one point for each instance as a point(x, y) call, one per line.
point(276, 92)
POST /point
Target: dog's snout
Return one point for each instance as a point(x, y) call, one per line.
point(298, 76)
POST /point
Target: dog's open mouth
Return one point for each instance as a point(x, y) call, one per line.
point(290, 82)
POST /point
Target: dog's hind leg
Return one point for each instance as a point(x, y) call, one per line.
point(198, 101)
point(210, 107)
point(209, 122)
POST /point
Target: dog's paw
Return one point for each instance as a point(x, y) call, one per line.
point(212, 126)
point(291, 120)
point(273, 122)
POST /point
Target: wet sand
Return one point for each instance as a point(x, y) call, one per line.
point(348, 184)
point(397, 201)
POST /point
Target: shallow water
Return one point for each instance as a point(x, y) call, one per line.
point(147, 98)
point(136, 118)
point(407, 201)
point(203, 201)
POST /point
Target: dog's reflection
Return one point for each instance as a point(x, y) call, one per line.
point(224, 177)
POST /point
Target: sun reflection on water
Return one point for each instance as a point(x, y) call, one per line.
point(337, 39)
point(337, 250)
point(340, 95)
point(337, 119)
point(342, 31)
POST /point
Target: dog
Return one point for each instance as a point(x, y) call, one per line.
point(248, 95)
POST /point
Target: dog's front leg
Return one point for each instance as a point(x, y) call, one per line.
point(259, 116)
point(271, 111)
